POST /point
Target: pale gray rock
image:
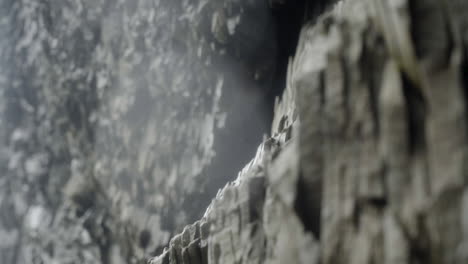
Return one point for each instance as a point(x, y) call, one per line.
point(113, 114)
point(254, 219)
point(370, 152)
point(121, 120)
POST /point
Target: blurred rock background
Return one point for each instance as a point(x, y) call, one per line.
point(122, 119)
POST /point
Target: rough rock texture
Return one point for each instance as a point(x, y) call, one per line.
point(253, 219)
point(375, 170)
point(386, 97)
point(113, 110)
point(112, 113)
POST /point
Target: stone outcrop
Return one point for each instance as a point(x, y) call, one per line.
point(253, 219)
point(373, 166)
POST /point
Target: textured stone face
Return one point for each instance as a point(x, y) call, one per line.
point(368, 163)
point(121, 119)
point(254, 219)
point(114, 115)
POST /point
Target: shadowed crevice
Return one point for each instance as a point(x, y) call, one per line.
point(416, 116)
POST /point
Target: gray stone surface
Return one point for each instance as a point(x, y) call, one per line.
point(254, 219)
point(370, 144)
point(112, 117)
point(113, 112)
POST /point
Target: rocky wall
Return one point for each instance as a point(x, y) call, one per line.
point(372, 168)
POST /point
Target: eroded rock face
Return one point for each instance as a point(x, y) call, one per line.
point(121, 120)
point(253, 219)
point(368, 163)
point(113, 111)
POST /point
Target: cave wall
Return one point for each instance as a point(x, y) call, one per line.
point(366, 163)
point(122, 119)
point(113, 111)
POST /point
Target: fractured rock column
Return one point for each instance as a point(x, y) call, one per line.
point(382, 83)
